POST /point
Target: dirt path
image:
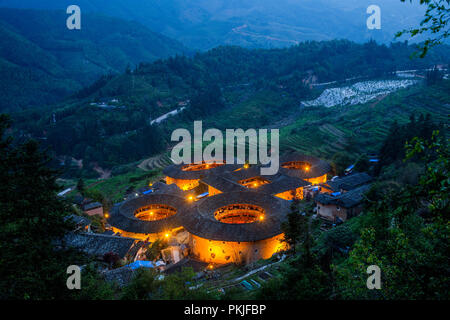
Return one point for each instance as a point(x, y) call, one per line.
point(379, 99)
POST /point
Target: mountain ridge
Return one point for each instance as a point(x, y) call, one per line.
point(37, 45)
point(204, 24)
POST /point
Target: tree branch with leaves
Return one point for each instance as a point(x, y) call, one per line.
point(435, 22)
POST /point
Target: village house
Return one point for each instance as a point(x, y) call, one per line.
point(88, 206)
point(97, 245)
point(81, 223)
point(346, 183)
point(93, 208)
point(338, 207)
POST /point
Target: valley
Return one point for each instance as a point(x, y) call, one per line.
point(39, 70)
point(125, 118)
point(325, 177)
point(205, 24)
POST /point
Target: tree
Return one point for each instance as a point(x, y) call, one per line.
point(362, 164)
point(154, 250)
point(142, 285)
point(435, 22)
point(93, 286)
point(111, 258)
point(339, 237)
point(31, 224)
point(393, 149)
point(406, 234)
point(292, 227)
point(81, 186)
point(176, 286)
point(340, 161)
point(299, 281)
point(305, 277)
point(31, 217)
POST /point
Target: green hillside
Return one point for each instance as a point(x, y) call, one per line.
point(42, 61)
point(205, 24)
point(232, 87)
point(362, 128)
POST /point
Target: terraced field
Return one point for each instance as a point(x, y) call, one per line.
point(157, 162)
point(361, 128)
point(322, 131)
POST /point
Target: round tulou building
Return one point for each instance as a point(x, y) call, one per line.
point(236, 227)
point(148, 217)
point(235, 215)
point(187, 176)
point(308, 168)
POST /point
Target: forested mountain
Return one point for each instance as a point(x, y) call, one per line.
point(108, 123)
point(204, 24)
point(86, 122)
point(41, 61)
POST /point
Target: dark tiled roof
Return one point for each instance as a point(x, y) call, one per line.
point(175, 171)
point(98, 244)
point(143, 189)
point(349, 182)
point(226, 168)
point(78, 220)
point(160, 187)
point(348, 199)
point(122, 217)
point(92, 205)
point(121, 276)
point(243, 174)
point(198, 217)
point(281, 184)
point(200, 220)
point(137, 246)
point(222, 184)
point(318, 167)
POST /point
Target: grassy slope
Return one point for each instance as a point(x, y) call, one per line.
point(42, 61)
point(361, 128)
point(323, 132)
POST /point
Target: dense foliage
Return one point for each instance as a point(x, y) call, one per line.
point(31, 220)
point(406, 233)
point(176, 286)
point(435, 25)
point(404, 230)
point(392, 149)
point(42, 62)
point(33, 262)
point(227, 87)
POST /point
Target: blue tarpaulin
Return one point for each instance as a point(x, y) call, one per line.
point(202, 195)
point(148, 191)
point(141, 264)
